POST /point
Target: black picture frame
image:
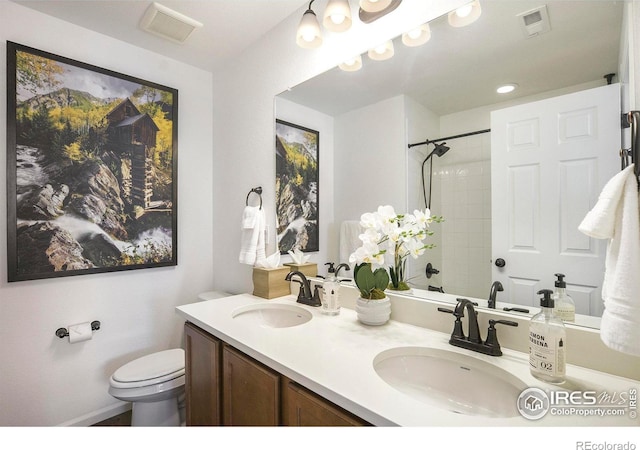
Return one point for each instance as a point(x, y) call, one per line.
point(297, 187)
point(92, 165)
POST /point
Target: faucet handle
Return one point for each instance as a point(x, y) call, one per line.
point(511, 323)
point(492, 336)
point(316, 294)
point(457, 325)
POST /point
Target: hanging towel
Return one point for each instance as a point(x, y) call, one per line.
point(350, 232)
point(616, 217)
point(252, 240)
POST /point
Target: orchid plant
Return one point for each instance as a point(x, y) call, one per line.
point(386, 232)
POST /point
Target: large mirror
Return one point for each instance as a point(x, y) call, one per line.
point(387, 118)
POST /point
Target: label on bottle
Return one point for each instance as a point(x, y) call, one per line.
point(547, 354)
point(567, 314)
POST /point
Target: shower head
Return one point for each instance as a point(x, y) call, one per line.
point(440, 149)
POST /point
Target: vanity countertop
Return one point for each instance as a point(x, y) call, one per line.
point(333, 356)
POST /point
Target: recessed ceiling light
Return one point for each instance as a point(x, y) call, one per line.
point(506, 88)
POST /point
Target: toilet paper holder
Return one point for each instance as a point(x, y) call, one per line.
point(63, 332)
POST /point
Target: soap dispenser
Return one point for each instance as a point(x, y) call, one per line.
point(330, 292)
point(564, 306)
point(547, 343)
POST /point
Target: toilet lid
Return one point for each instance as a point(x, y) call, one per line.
point(151, 366)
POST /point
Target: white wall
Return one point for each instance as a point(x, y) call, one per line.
point(45, 380)
point(371, 142)
point(323, 124)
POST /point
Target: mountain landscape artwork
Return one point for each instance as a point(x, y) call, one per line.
point(296, 187)
point(91, 168)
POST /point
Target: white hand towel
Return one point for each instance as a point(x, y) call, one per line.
point(616, 217)
point(252, 237)
point(350, 231)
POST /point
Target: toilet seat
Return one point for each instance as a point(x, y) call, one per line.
point(154, 369)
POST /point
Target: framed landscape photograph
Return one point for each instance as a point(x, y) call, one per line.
point(297, 187)
point(91, 168)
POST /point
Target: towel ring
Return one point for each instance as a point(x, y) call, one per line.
point(257, 190)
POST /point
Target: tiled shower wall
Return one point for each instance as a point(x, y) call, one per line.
point(462, 195)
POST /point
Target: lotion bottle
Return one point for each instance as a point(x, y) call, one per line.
point(564, 306)
point(330, 293)
point(547, 343)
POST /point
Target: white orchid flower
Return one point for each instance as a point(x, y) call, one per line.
point(423, 218)
point(369, 220)
point(387, 214)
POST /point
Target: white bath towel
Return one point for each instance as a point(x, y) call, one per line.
point(350, 230)
point(616, 217)
point(252, 240)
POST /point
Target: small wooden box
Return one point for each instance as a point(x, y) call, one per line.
point(271, 283)
point(307, 269)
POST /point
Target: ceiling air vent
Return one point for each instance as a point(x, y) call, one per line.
point(535, 22)
point(167, 23)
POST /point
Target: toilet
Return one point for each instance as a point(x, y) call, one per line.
point(153, 383)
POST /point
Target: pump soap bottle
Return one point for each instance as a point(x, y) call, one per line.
point(564, 306)
point(330, 292)
point(547, 343)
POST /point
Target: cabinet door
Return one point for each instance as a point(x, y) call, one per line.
point(303, 408)
point(250, 391)
point(202, 377)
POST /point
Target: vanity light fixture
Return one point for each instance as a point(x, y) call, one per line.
point(382, 52)
point(351, 65)
point(417, 36)
point(465, 15)
point(308, 35)
point(506, 88)
point(373, 6)
point(337, 16)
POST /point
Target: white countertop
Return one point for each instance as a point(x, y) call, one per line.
point(333, 356)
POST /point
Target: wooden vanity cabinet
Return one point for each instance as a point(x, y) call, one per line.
point(250, 391)
point(303, 408)
point(203, 375)
point(226, 387)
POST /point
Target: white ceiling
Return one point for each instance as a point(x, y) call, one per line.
point(230, 26)
point(457, 69)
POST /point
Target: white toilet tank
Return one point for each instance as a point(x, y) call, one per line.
point(211, 295)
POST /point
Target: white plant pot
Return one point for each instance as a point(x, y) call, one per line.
point(373, 312)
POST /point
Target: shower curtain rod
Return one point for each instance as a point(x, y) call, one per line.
point(450, 137)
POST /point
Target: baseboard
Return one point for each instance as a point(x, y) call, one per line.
point(98, 416)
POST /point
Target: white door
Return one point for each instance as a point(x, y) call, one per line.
point(549, 162)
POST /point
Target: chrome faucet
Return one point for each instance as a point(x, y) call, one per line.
point(474, 342)
point(304, 294)
point(495, 288)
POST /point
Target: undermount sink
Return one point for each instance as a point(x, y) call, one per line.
point(272, 315)
point(453, 381)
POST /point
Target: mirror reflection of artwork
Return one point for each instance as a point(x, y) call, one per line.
point(91, 164)
point(296, 187)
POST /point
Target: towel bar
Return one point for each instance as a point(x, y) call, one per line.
point(256, 190)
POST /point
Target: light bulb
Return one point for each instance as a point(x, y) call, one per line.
point(380, 49)
point(337, 18)
point(415, 34)
point(464, 11)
